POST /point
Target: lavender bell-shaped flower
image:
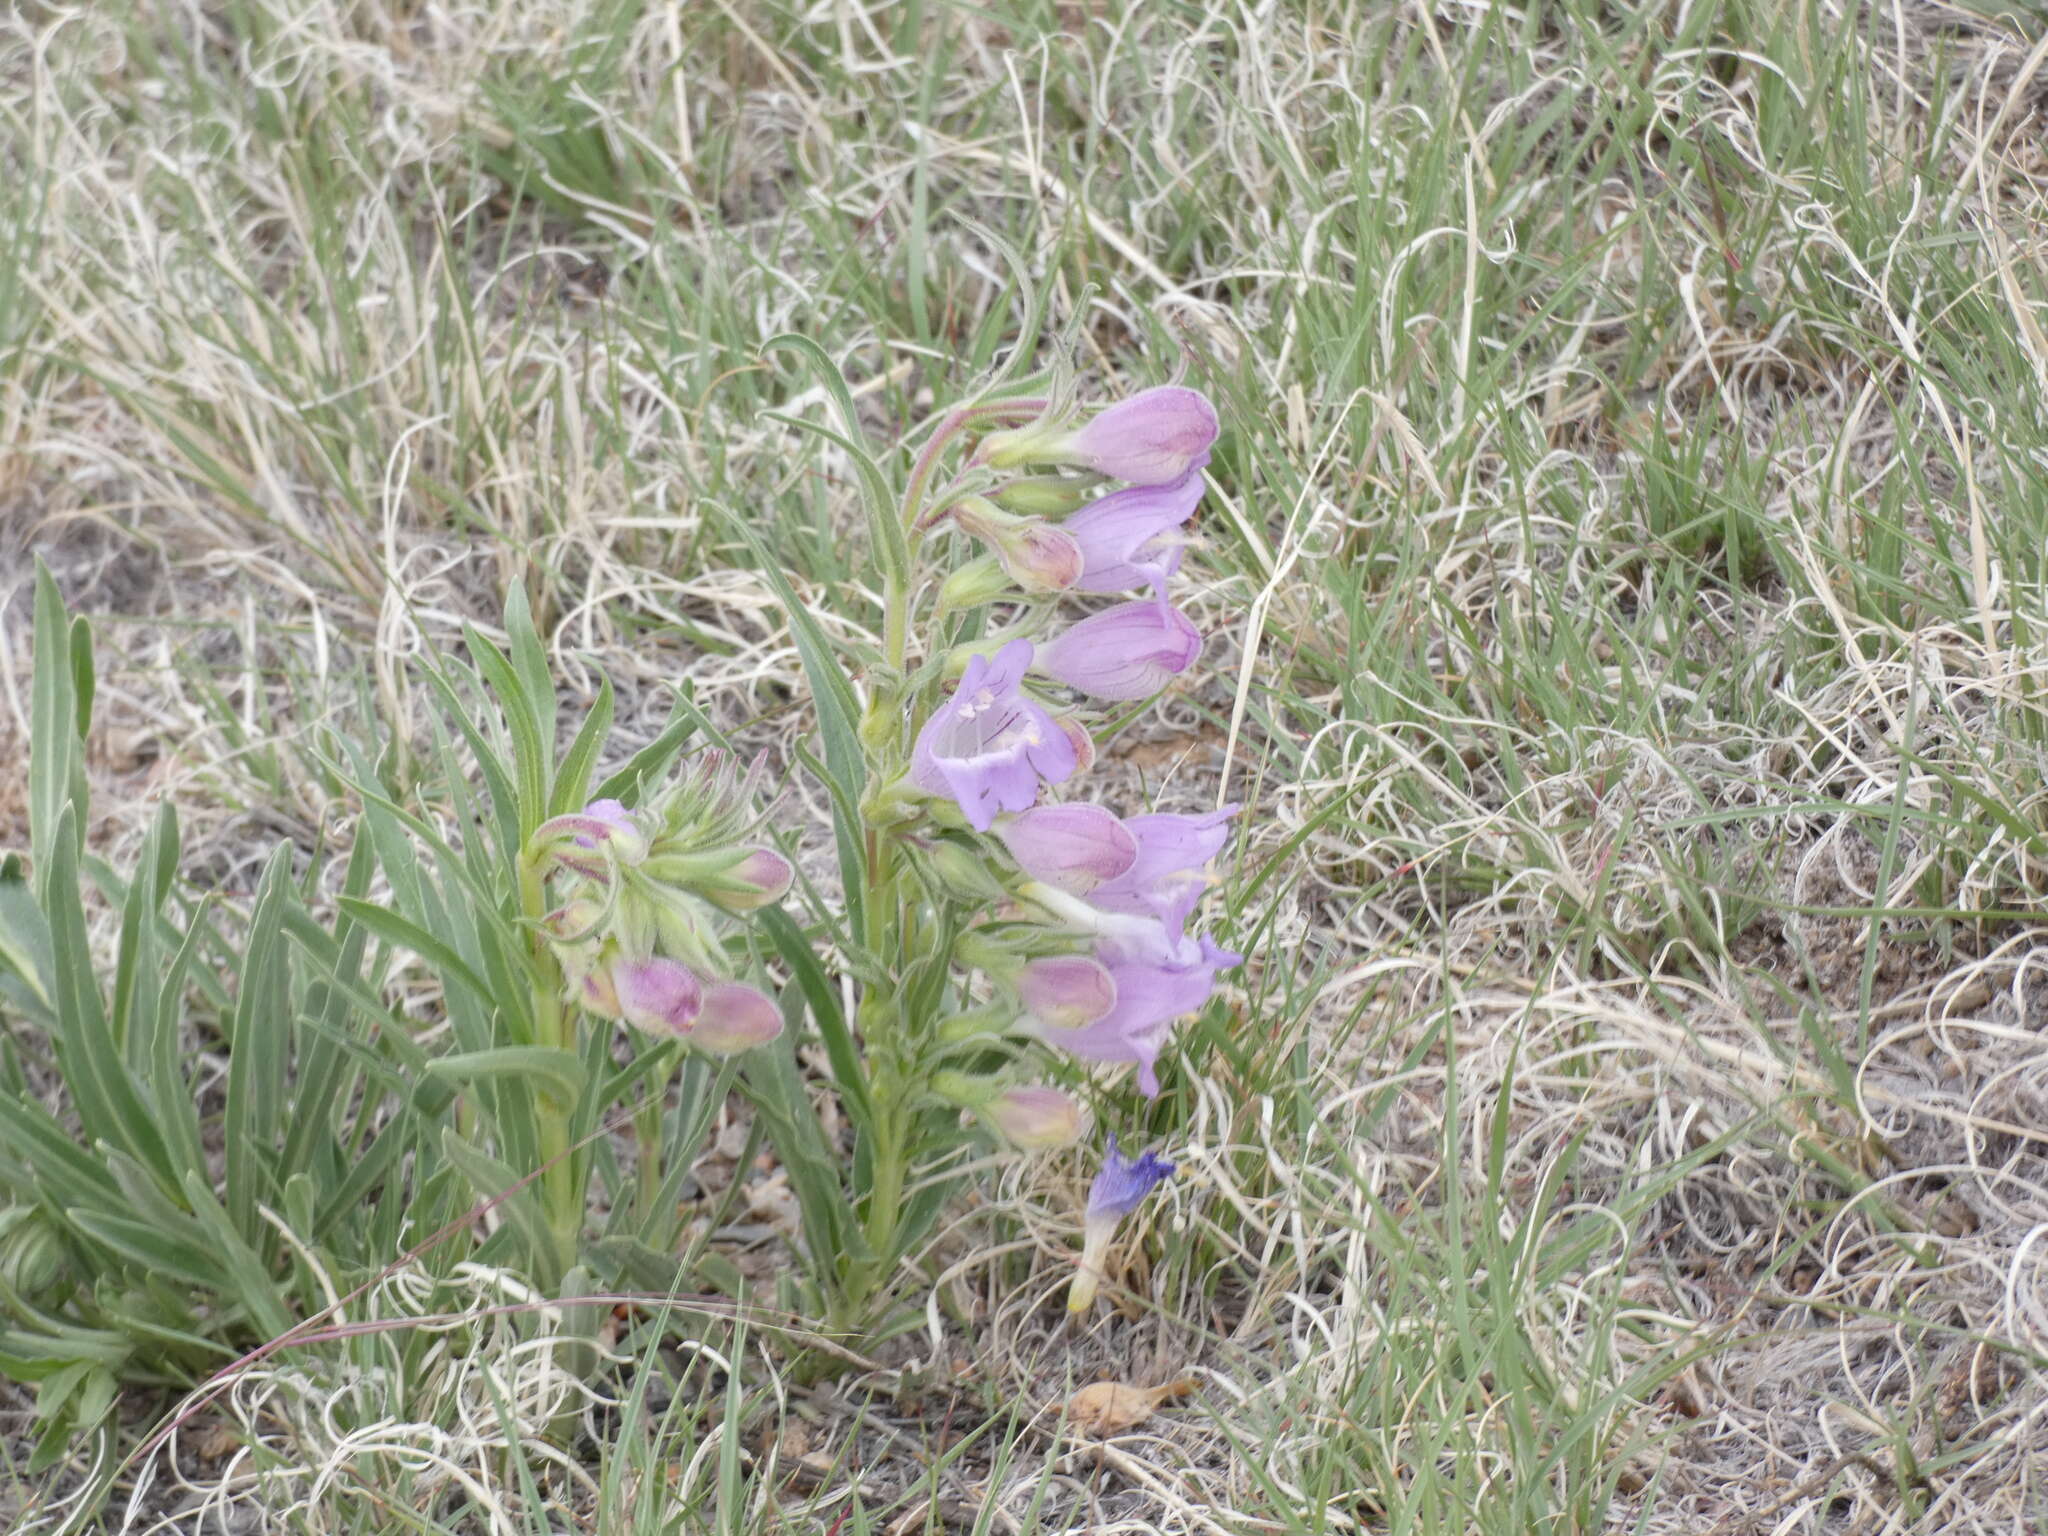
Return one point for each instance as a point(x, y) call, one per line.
point(1119, 1189)
point(1153, 438)
point(990, 744)
point(1131, 538)
point(1130, 651)
point(1158, 981)
point(1165, 879)
point(1075, 847)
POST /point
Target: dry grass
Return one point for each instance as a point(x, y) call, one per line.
point(1627, 562)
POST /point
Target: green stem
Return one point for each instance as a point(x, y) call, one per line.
point(951, 427)
point(553, 1025)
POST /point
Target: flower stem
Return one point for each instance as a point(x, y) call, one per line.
point(553, 1025)
point(950, 428)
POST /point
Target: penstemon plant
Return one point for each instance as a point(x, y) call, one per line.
point(991, 915)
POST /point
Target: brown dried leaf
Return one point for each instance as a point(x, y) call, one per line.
point(1111, 1407)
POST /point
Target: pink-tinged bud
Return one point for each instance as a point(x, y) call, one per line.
point(1153, 438)
point(583, 839)
point(1084, 744)
point(735, 1017)
point(1036, 1119)
point(1037, 556)
point(759, 880)
point(1066, 991)
point(1130, 651)
point(659, 995)
point(1073, 847)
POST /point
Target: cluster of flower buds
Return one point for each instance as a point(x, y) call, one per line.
point(636, 933)
point(1108, 967)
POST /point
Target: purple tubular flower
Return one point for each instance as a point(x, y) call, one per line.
point(1165, 879)
point(1130, 651)
point(1119, 1189)
point(1073, 847)
point(735, 1017)
point(1153, 438)
point(1124, 1182)
point(989, 745)
point(660, 996)
point(1158, 981)
point(1132, 538)
point(1066, 992)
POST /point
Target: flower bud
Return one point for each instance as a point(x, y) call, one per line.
point(584, 839)
point(1035, 1118)
point(1074, 847)
point(1153, 438)
point(1038, 556)
point(962, 873)
point(1041, 496)
point(976, 1024)
point(882, 725)
point(1119, 1189)
point(1130, 651)
point(761, 878)
point(894, 803)
point(1066, 991)
point(979, 581)
point(657, 995)
point(734, 1017)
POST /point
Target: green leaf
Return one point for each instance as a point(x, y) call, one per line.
point(154, 1249)
point(504, 796)
point(249, 1277)
point(136, 975)
point(56, 755)
point(572, 779)
point(649, 763)
point(24, 945)
point(326, 1077)
point(823, 1000)
point(104, 1096)
point(530, 659)
point(775, 1086)
point(838, 721)
point(83, 684)
point(491, 1179)
point(531, 753)
point(560, 1075)
point(258, 1052)
point(394, 929)
point(885, 528)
